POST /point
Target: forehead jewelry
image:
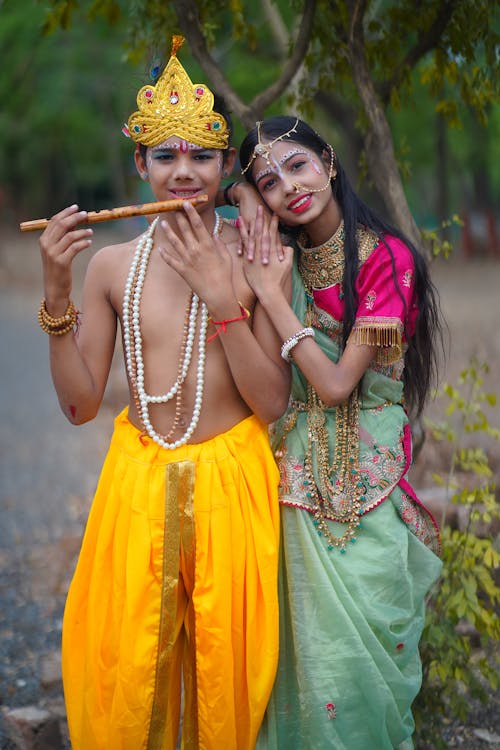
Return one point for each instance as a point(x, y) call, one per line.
point(264, 149)
point(268, 170)
point(289, 154)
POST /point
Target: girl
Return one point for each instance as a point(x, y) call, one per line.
point(359, 551)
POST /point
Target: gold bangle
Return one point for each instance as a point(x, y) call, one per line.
point(60, 325)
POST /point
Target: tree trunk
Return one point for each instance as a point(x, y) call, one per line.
point(378, 140)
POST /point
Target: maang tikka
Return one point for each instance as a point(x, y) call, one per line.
point(264, 149)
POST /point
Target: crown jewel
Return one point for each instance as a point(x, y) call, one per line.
point(176, 106)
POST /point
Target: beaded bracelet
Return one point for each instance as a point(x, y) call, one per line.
point(57, 326)
point(290, 343)
point(222, 324)
point(227, 197)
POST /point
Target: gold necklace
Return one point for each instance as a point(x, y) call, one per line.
point(323, 266)
point(337, 490)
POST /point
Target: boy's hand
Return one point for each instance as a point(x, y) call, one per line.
point(201, 259)
point(59, 244)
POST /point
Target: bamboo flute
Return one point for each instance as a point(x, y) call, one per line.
point(122, 212)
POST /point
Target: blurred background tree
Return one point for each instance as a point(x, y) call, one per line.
point(407, 92)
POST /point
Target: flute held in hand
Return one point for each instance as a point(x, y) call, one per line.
point(122, 212)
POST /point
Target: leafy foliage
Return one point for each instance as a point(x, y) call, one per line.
point(444, 57)
point(467, 598)
point(65, 96)
point(438, 245)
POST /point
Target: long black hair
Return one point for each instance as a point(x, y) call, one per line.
point(421, 358)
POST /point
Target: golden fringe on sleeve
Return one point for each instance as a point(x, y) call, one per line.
point(384, 333)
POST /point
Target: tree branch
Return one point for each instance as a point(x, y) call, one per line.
point(277, 27)
point(263, 100)
point(426, 42)
point(189, 22)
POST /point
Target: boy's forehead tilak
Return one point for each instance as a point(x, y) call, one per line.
point(177, 144)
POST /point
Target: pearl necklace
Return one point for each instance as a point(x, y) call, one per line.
point(133, 345)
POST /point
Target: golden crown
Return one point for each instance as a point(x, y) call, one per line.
point(177, 106)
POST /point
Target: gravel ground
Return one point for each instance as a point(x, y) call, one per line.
point(48, 470)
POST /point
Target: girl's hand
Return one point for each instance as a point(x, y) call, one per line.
point(271, 267)
point(249, 203)
point(60, 242)
point(201, 259)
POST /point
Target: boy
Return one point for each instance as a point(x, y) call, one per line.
point(177, 571)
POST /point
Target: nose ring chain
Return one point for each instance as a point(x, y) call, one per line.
point(297, 186)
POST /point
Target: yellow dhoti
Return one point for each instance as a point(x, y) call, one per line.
point(177, 574)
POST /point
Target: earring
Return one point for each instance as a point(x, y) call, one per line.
point(144, 175)
point(225, 173)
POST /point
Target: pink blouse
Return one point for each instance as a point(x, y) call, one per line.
point(387, 309)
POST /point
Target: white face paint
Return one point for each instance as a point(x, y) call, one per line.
point(265, 150)
point(180, 144)
point(220, 161)
point(315, 166)
point(289, 154)
point(171, 144)
point(276, 165)
point(299, 152)
point(262, 173)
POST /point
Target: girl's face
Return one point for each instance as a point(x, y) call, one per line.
point(294, 182)
point(177, 169)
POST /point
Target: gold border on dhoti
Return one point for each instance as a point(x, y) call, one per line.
point(179, 486)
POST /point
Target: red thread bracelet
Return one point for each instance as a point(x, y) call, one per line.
point(245, 314)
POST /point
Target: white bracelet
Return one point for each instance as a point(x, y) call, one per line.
point(289, 344)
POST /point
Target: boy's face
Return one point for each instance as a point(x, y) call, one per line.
point(178, 169)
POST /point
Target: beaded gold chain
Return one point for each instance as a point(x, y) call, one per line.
point(337, 490)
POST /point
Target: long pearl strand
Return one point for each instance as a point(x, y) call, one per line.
point(133, 344)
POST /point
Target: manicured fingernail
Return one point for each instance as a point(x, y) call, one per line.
point(237, 223)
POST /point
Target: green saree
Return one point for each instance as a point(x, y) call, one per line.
point(351, 613)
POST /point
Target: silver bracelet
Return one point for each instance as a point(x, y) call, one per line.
point(289, 344)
